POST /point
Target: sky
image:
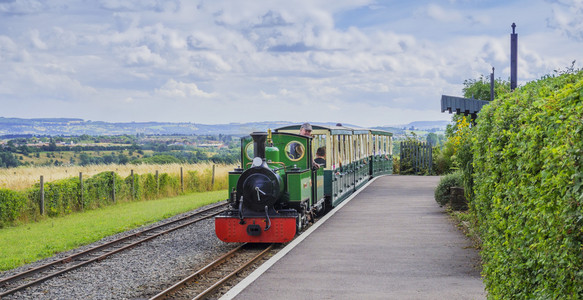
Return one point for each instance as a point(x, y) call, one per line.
point(363, 62)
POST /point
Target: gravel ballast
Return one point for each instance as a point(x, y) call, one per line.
point(138, 273)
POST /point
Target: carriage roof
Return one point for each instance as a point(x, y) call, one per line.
point(333, 130)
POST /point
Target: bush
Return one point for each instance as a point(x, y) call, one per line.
point(11, 203)
point(442, 163)
point(442, 194)
point(528, 190)
point(396, 165)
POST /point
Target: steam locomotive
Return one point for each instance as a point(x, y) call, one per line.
point(276, 192)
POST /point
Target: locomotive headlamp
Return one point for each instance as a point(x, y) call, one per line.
point(257, 161)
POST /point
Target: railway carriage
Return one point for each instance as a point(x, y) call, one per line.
point(276, 191)
point(382, 152)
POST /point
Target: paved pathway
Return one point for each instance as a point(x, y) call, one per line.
point(392, 241)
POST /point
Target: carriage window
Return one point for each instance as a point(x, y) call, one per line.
point(249, 150)
point(295, 151)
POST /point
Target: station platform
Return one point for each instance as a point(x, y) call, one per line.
point(390, 241)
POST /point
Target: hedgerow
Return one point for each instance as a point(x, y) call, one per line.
point(65, 196)
point(528, 176)
point(10, 206)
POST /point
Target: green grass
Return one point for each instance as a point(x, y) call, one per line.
point(26, 243)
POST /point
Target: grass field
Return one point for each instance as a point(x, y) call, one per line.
point(24, 177)
point(26, 243)
point(67, 157)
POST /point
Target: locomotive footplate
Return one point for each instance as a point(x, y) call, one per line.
point(281, 228)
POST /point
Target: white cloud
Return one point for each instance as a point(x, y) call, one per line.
point(567, 17)
point(140, 56)
point(438, 13)
point(36, 41)
point(129, 5)
point(348, 59)
point(8, 49)
point(26, 83)
point(178, 89)
point(23, 7)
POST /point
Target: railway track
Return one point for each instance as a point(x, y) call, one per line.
point(20, 281)
point(204, 282)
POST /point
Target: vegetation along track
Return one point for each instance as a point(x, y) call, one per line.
point(14, 283)
point(204, 282)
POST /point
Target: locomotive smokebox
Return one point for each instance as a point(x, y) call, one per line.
point(259, 144)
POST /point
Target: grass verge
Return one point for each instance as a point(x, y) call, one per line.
point(26, 243)
point(468, 224)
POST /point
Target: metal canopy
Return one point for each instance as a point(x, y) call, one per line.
point(462, 105)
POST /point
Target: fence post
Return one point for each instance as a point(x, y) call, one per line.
point(402, 151)
point(423, 153)
point(113, 186)
point(430, 159)
point(416, 159)
point(157, 184)
point(181, 181)
point(81, 190)
point(213, 179)
point(42, 195)
point(133, 188)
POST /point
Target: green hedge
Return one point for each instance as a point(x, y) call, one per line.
point(11, 205)
point(528, 194)
point(64, 196)
point(442, 192)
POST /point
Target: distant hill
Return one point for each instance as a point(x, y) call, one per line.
point(71, 127)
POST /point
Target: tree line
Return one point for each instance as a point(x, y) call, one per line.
point(166, 149)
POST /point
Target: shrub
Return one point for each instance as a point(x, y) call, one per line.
point(396, 165)
point(61, 196)
point(528, 190)
point(11, 203)
point(442, 194)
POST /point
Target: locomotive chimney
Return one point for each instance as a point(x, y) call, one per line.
point(259, 144)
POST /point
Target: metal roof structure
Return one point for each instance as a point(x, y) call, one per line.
point(461, 105)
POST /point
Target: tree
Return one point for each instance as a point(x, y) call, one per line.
point(8, 160)
point(85, 159)
point(432, 139)
point(480, 88)
point(52, 146)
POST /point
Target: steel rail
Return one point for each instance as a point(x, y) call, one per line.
point(205, 269)
point(232, 274)
point(29, 273)
point(179, 285)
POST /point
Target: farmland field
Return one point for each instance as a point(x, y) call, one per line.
point(73, 157)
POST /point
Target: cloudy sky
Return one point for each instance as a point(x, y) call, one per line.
point(363, 62)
